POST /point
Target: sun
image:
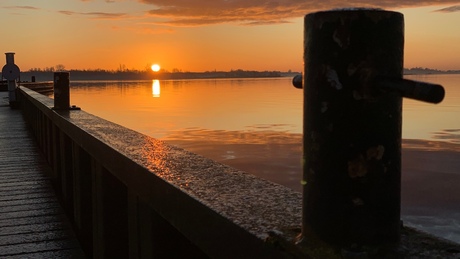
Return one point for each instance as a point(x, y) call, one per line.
point(155, 67)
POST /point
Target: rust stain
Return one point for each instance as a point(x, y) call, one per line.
point(359, 166)
point(375, 152)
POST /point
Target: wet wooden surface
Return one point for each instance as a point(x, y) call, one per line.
point(32, 223)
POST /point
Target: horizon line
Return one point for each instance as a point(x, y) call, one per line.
point(51, 69)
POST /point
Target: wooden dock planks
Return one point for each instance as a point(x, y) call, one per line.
point(32, 222)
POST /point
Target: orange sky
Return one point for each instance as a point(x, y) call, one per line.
point(202, 35)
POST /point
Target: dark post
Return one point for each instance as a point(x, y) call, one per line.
point(61, 91)
point(352, 127)
point(11, 73)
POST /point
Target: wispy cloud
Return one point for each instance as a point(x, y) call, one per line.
point(143, 29)
point(154, 31)
point(107, 1)
point(451, 9)
point(257, 12)
point(97, 15)
point(22, 7)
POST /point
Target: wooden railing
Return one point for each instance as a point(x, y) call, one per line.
point(132, 196)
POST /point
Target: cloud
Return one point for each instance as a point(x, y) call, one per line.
point(154, 31)
point(22, 7)
point(257, 12)
point(67, 12)
point(97, 15)
point(143, 29)
point(451, 9)
point(107, 1)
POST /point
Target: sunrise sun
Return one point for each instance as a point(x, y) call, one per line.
point(155, 67)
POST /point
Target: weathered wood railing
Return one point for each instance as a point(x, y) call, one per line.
point(130, 195)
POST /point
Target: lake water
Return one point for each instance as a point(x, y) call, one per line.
point(256, 125)
point(163, 108)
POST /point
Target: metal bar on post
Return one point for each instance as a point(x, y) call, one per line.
point(352, 129)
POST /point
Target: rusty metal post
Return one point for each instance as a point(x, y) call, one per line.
point(62, 92)
point(352, 128)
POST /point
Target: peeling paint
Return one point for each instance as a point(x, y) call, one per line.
point(324, 107)
point(357, 202)
point(341, 35)
point(333, 79)
point(357, 167)
point(375, 152)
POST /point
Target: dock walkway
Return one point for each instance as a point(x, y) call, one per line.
point(32, 222)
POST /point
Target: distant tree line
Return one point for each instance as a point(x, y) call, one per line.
point(424, 70)
point(57, 68)
point(46, 74)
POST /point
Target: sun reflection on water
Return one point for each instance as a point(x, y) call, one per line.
point(156, 88)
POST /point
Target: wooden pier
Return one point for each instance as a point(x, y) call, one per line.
point(32, 222)
point(128, 195)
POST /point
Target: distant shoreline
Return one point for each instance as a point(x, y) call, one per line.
point(149, 75)
point(41, 76)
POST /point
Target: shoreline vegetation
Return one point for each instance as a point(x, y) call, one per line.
point(46, 74)
point(149, 75)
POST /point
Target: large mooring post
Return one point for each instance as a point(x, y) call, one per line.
point(11, 73)
point(353, 90)
point(62, 91)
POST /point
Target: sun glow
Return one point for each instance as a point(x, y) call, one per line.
point(155, 67)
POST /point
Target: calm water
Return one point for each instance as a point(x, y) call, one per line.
point(159, 108)
point(163, 108)
point(255, 125)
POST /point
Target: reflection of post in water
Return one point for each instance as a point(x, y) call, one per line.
point(156, 88)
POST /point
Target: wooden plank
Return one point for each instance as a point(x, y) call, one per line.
point(32, 223)
point(67, 253)
point(34, 247)
point(27, 196)
point(34, 237)
point(58, 218)
point(25, 191)
point(29, 207)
